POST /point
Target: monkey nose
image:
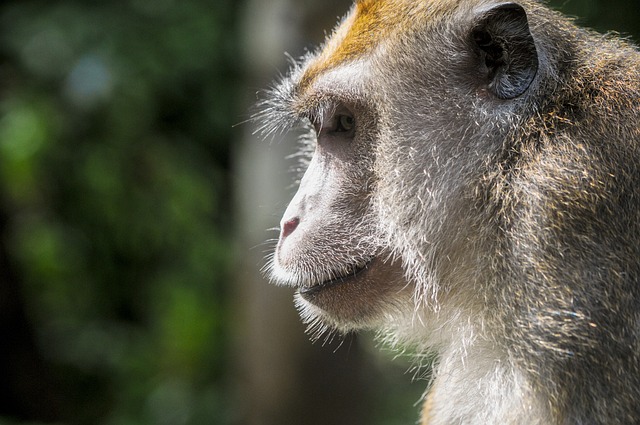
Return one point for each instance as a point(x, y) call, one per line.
point(289, 226)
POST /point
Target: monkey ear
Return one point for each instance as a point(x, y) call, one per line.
point(506, 48)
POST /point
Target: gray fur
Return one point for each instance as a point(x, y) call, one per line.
point(515, 222)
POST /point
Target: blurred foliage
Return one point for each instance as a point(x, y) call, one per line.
point(115, 126)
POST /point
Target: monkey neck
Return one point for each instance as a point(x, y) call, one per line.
point(475, 380)
point(480, 387)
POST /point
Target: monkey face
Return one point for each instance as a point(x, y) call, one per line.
point(328, 246)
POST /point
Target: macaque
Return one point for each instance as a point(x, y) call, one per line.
point(472, 190)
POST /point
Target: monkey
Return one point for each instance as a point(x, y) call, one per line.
point(472, 190)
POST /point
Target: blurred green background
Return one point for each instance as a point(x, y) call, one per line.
point(134, 204)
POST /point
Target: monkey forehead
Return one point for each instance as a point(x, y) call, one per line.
point(369, 25)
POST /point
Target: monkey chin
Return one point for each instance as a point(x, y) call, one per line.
point(358, 300)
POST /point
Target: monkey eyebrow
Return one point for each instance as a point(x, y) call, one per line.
point(344, 84)
point(316, 106)
point(290, 103)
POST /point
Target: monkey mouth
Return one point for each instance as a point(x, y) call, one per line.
point(340, 279)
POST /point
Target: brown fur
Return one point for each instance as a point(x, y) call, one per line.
point(371, 22)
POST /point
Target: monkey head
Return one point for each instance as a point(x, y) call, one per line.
point(399, 106)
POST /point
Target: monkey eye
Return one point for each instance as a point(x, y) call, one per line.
point(344, 123)
point(334, 122)
point(340, 122)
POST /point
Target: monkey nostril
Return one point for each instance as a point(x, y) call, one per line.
point(289, 226)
